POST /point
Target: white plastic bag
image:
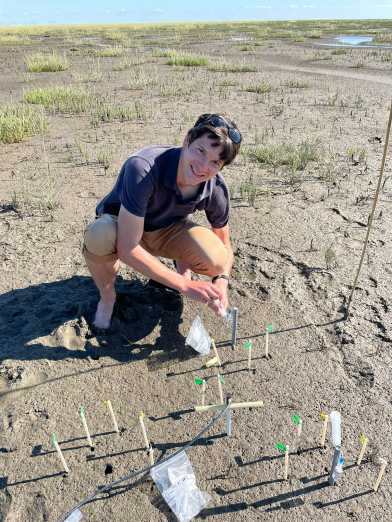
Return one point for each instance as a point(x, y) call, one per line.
point(198, 337)
point(75, 516)
point(176, 481)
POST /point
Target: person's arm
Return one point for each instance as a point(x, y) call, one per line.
point(222, 284)
point(129, 234)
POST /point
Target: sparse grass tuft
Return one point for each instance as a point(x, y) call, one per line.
point(297, 84)
point(13, 39)
point(110, 52)
point(262, 87)
point(294, 156)
point(61, 99)
point(231, 67)
point(187, 59)
point(339, 51)
point(106, 112)
point(20, 121)
point(45, 62)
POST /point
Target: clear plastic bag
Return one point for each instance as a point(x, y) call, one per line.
point(75, 516)
point(176, 481)
point(198, 337)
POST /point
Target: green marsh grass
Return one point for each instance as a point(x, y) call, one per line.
point(296, 84)
point(61, 99)
point(339, 51)
point(231, 67)
point(110, 52)
point(296, 157)
point(262, 87)
point(183, 59)
point(46, 62)
point(20, 121)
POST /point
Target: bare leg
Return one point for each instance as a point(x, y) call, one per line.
point(104, 275)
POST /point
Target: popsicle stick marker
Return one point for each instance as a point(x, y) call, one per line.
point(234, 313)
point(144, 431)
point(221, 381)
point(233, 406)
point(82, 414)
point(212, 362)
point(202, 383)
point(228, 417)
point(284, 450)
point(324, 417)
point(150, 452)
point(248, 346)
point(55, 445)
point(383, 465)
point(297, 421)
point(109, 406)
point(363, 441)
point(216, 352)
point(268, 330)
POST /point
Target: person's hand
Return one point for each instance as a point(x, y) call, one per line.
point(220, 306)
point(203, 291)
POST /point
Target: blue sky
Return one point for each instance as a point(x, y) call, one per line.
point(121, 11)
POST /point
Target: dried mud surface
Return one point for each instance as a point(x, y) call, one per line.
point(296, 249)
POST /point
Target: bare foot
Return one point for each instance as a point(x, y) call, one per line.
point(103, 315)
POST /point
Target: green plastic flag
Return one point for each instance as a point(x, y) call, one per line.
point(221, 378)
point(198, 381)
point(282, 448)
point(53, 440)
point(81, 411)
point(248, 345)
point(269, 328)
point(296, 419)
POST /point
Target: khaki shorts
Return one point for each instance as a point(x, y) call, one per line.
point(184, 241)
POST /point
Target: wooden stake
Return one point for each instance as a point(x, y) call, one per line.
point(55, 444)
point(234, 312)
point(108, 403)
point(203, 393)
point(233, 406)
point(363, 441)
point(212, 362)
point(216, 352)
point(383, 465)
point(266, 344)
point(151, 455)
point(84, 422)
point(286, 463)
point(144, 431)
point(325, 418)
point(220, 387)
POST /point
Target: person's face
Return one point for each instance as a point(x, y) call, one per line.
point(200, 161)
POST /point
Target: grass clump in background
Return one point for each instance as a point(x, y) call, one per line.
point(296, 84)
point(186, 59)
point(110, 52)
point(231, 67)
point(20, 121)
point(46, 62)
point(61, 99)
point(259, 88)
point(296, 157)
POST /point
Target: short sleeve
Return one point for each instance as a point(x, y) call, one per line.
point(218, 207)
point(137, 186)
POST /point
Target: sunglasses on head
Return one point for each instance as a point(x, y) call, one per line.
point(217, 121)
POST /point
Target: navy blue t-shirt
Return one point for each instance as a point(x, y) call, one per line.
point(147, 187)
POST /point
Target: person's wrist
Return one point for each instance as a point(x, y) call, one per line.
point(221, 277)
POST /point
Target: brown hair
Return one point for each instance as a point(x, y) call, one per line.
point(220, 135)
